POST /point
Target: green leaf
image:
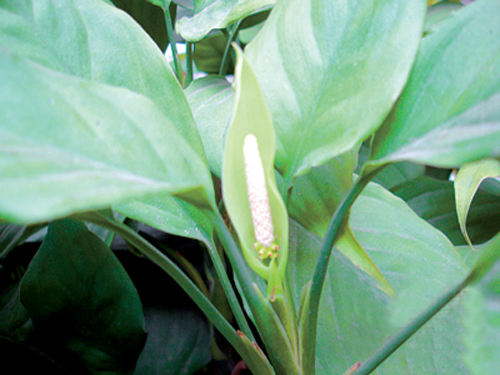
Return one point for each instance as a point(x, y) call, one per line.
point(482, 324)
point(449, 113)
point(356, 317)
point(470, 257)
point(209, 52)
point(150, 14)
point(329, 85)
point(467, 182)
point(9, 237)
point(399, 241)
point(250, 116)
point(216, 14)
point(438, 13)
point(178, 342)
point(171, 215)
point(314, 200)
point(394, 175)
point(78, 292)
point(211, 100)
point(62, 154)
point(434, 201)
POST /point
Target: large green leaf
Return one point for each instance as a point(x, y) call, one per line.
point(70, 145)
point(356, 318)
point(81, 298)
point(178, 343)
point(216, 14)
point(314, 200)
point(482, 323)
point(211, 99)
point(467, 182)
point(84, 145)
point(94, 41)
point(171, 215)
point(448, 113)
point(330, 72)
point(434, 201)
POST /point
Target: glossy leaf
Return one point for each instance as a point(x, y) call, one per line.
point(449, 113)
point(356, 318)
point(171, 215)
point(78, 292)
point(59, 139)
point(211, 100)
point(319, 77)
point(467, 182)
point(250, 116)
point(62, 155)
point(434, 201)
point(216, 14)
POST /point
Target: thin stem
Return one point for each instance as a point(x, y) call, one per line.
point(171, 40)
point(308, 347)
point(210, 311)
point(406, 332)
point(267, 321)
point(227, 50)
point(189, 63)
point(233, 254)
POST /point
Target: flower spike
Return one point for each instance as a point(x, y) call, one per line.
point(259, 200)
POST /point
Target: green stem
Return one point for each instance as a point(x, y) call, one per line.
point(227, 50)
point(267, 321)
point(406, 332)
point(171, 40)
point(308, 347)
point(211, 312)
point(189, 63)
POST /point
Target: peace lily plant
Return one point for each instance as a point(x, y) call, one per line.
point(326, 236)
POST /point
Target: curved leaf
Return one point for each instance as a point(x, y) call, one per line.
point(122, 145)
point(76, 290)
point(314, 200)
point(449, 111)
point(356, 317)
point(216, 14)
point(250, 116)
point(467, 181)
point(438, 13)
point(434, 201)
point(62, 154)
point(330, 72)
point(212, 99)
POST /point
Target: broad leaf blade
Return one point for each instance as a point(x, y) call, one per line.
point(79, 292)
point(448, 113)
point(211, 100)
point(467, 181)
point(482, 323)
point(434, 201)
point(314, 200)
point(356, 317)
point(61, 155)
point(216, 14)
point(319, 77)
